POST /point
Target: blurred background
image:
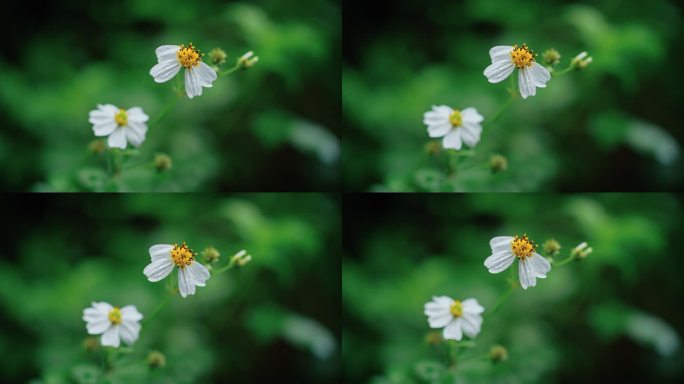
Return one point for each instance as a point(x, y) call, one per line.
point(612, 317)
point(610, 127)
point(277, 318)
point(273, 127)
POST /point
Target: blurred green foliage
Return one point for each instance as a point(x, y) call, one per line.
point(275, 126)
point(613, 126)
point(612, 317)
point(277, 317)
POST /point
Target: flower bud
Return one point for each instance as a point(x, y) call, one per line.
point(241, 258)
point(162, 162)
point(551, 57)
point(210, 255)
point(581, 61)
point(581, 251)
point(433, 147)
point(498, 353)
point(91, 344)
point(97, 146)
point(247, 60)
point(217, 56)
point(156, 359)
point(433, 338)
point(551, 247)
point(498, 163)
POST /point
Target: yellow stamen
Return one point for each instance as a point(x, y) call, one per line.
point(182, 256)
point(522, 56)
point(522, 247)
point(121, 117)
point(189, 56)
point(456, 308)
point(455, 118)
point(115, 315)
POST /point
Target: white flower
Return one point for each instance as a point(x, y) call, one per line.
point(197, 73)
point(190, 272)
point(504, 251)
point(119, 124)
point(114, 323)
point(456, 126)
point(506, 58)
point(454, 316)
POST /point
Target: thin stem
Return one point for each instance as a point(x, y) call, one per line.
point(563, 72)
point(157, 310)
point(503, 108)
point(230, 265)
point(502, 299)
point(164, 112)
point(564, 261)
point(231, 70)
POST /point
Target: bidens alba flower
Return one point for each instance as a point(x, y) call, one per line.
point(173, 57)
point(190, 272)
point(454, 316)
point(114, 323)
point(457, 127)
point(506, 58)
point(119, 124)
point(505, 249)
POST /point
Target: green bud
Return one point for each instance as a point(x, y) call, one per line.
point(162, 162)
point(551, 57)
point(210, 255)
point(498, 353)
point(91, 344)
point(156, 359)
point(97, 146)
point(498, 163)
point(247, 60)
point(551, 247)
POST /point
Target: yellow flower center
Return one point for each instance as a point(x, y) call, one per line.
point(455, 118)
point(522, 56)
point(182, 256)
point(115, 315)
point(522, 247)
point(121, 117)
point(189, 56)
point(456, 308)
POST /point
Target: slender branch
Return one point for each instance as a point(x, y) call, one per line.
point(229, 71)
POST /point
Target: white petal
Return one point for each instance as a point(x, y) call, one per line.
point(166, 52)
point(439, 130)
point(499, 71)
point(539, 265)
point(205, 74)
point(468, 136)
point(500, 51)
point(199, 273)
point(117, 139)
point(438, 306)
point(135, 133)
point(130, 313)
point(183, 282)
point(165, 70)
point(108, 109)
point(158, 270)
point(95, 328)
point(105, 129)
point(527, 278)
point(159, 250)
point(472, 306)
point(499, 261)
point(93, 315)
point(99, 116)
point(525, 84)
point(136, 114)
point(438, 114)
point(453, 330)
point(470, 324)
point(111, 337)
point(540, 75)
point(452, 140)
point(192, 85)
point(129, 332)
point(102, 307)
point(471, 115)
point(440, 321)
point(500, 243)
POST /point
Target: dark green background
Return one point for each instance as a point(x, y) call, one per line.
point(274, 127)
point(613, 127)
point(600, 319)
point(276, 319)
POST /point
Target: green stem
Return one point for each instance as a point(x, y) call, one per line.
point(164, 112)
point(229, 71)
point(502, 299)
point(503, 108)
point(157, 310)
point(564, 261)
point(563, 72)
point(230, 265)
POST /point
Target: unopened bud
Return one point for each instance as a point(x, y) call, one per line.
point(433, 147)
point(581, 61)
point(498, 163)
point(97, 146)
point(162, 162)
point(498, 353)
point(241, 258)
point(156, 359)
point(551, 247)
point(210, 255)
point(91, 344)
point(551, 57)
point(247, 60)
point(581, 251)
point(217, 56)
point(433, 338)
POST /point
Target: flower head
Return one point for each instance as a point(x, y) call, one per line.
point(455, 126)
point(506, 58)
point(456, 317)
point(172, 58)
point(119, 124)
point(505, 249)
point(217, 56)
point(114, 323)
point(190, 272)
